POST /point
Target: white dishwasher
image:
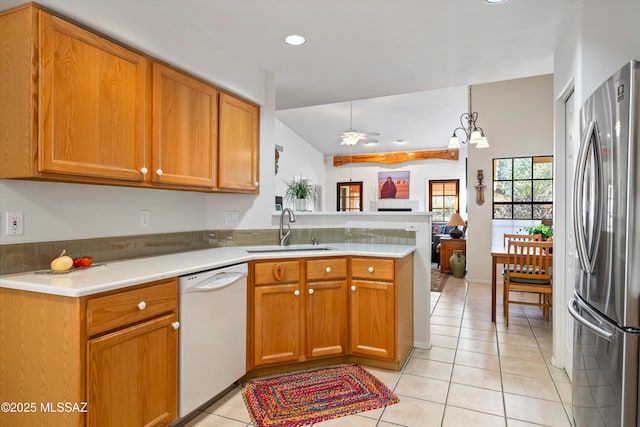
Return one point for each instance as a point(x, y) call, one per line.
point(213, 330)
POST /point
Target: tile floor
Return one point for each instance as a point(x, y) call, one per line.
point(478, 372)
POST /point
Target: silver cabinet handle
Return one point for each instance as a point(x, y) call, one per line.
point(159, 172)
point(142, 305)
point(353, 288)
point(176, 325)
point(310, 291)
point(144, 170)
point(296, 292)
point(328, 269)
point(371, 269)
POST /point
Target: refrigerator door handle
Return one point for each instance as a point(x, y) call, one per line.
point(587, 255)
point(572, 306)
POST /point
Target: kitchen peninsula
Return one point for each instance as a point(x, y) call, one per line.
point(76, 331)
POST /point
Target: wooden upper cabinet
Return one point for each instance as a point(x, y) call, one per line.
point(185, 129)
point(238, 145)
point(78, 107)
point(92, 104)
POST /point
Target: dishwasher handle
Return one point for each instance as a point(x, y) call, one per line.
point(218, 281)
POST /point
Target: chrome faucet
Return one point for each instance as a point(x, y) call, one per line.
point(292, 218)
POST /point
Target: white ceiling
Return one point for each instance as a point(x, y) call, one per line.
point(356, 49)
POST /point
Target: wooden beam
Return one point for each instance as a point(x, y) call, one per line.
point(397, 157)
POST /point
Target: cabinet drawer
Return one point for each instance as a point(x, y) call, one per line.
point(323, 269)
point(372, 269)
point(120, 309)
point(274, 272)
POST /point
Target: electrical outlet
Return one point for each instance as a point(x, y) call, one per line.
point(14, 223)
point(145, 218)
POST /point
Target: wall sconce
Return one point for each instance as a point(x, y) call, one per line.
point(480, 188)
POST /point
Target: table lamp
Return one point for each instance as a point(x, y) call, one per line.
point(455, 221)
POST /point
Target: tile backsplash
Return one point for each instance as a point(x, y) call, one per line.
point(25, 257)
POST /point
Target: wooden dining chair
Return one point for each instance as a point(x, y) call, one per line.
point(522, 237)
point(529, 270)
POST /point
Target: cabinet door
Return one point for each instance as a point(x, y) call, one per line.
point(238, 150)
point(92, 105)
point(372, 319)
point(132, 375)
point(185, 127)
point(326, 325)
point(277, 323)
point(447, 246)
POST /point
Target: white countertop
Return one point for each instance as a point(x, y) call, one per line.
point(120, 274)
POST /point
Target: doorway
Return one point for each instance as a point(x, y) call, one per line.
point(349, 196)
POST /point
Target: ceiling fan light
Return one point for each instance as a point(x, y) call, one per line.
point(454, 142)
point(476, 137)
point(350, 138)
point(483, 143)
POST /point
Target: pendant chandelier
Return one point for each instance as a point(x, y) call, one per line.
point(473, 134)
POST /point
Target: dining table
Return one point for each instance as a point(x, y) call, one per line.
point(499, 256)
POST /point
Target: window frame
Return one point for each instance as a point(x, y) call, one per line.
point(456, 182)
point(343, 203)
point(531, 202)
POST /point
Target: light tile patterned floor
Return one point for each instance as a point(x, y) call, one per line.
point(478, 373)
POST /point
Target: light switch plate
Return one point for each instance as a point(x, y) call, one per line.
point(231, 217)
point(145, 218)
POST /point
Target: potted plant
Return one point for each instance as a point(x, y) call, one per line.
point(545, 231)
point(300, 190)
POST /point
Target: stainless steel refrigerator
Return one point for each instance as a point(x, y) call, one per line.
point(606, 303)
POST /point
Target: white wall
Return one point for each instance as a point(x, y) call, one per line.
point(444, 108)
point(420, 173)
point(60, 211)
point(299, 158)
point(517, 118)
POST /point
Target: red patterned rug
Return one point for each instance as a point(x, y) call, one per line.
point(316, 395)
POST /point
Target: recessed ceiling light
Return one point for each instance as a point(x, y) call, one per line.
point(295, 40)
point(495, 1)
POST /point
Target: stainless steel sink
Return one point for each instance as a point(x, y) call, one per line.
point(291, 248)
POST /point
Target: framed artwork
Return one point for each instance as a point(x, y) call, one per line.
point(393, 185)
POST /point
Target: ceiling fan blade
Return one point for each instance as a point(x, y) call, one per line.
point(368, 141)
point(369, 133)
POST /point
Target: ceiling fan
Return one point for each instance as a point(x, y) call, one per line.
point(351, 136)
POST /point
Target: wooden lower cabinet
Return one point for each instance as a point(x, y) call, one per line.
point(295, 319)
point(277, 324)
point(126, 375)
point(326, 307)
point(140, 358)
point(372, 319)
point(330, 307)
point(381, 308)
point(276, 317)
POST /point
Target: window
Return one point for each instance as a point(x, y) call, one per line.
point(523, 188)
point(349, 196)
point(444, 199)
